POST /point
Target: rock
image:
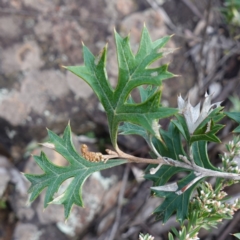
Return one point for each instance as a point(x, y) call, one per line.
point(52, 214)
point(68, 35)
point(94, 191)
point(134, 24)
point(22, 210)
point(21, 57)
point(8, 173)
point(43, 29)
point(17, 106)
point(95, 197)
point(25, 231)
point(14, 3)
point(10, 27)
point(42, 6)
point(4, 179)
point(13, 111)
point(80, 88)
point(126, 7)
point(110, 199)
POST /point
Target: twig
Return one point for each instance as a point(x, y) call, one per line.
point(226, 92)
point(18, 12)
point(228, 229)
point(201, 74)
point(193, 8)
point(52, 14)
point(199, 171)
point(179, 192)
point(211, 76)
point(205, 28)
point(162, 13)
point(215, 74)
point(153, 148)
point(120, 202)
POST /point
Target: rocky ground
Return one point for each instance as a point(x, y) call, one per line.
point(36, 39)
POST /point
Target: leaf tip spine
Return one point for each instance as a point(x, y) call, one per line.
point(48, 145)
point(106, 46)
point(28, 202)
point(176, 75)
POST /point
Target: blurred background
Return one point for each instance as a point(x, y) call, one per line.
point(37, 37)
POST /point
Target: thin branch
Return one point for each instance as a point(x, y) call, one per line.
point(51, 13)
point(211, 75)
point(153, 148)
point(191, 157)
point(229, 228)
point(205, 28)
point(201, 75)
point(120, 202)
point(162, 13)
point(199, 171)
point(193, 8)
point(185, 188)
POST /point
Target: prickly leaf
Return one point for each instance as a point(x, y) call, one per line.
point(79, 169)
point(133, 71)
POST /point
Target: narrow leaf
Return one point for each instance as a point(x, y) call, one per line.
point(200, 155)
point(236, 117)
point(174, 203)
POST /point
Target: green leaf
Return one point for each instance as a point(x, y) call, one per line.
point(79, 169)
point(145, 236)
point(236, 117)
point(179, 203)
point(174, 230)
point(170, 236)
point(133, 72)
point(147, 92)
point(174, 203)
point(216, 115)
point(133, 129)
point(208, 128)
point(202, 134)
point(237, 235)
point(180, 123)
point(200, 155)
point(206, 131)
point(237, 130)
point(171, 148)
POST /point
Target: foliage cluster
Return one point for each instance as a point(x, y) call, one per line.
point(231, 12)
point(180, 148)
